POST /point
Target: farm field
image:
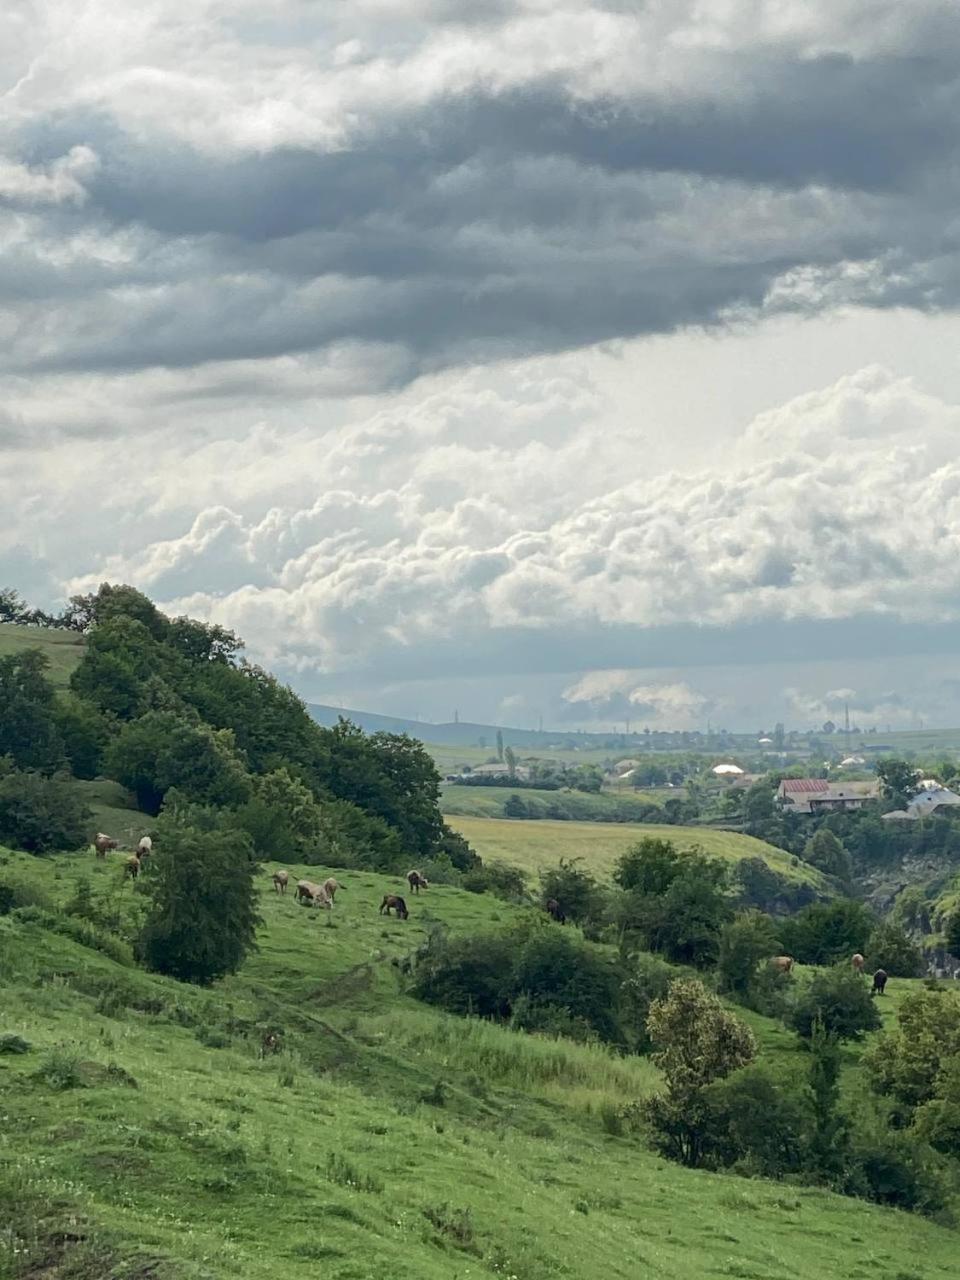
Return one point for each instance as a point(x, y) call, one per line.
point(145, 1135)
point(533, 844)
point(611, 806)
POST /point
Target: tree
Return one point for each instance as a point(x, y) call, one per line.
point(202, 919)
point(514, 807)
point(28, 725)
point(694, 910)
point(748, 940)
point(889, 948)
point(282, 818)
point(826, 932)
point(648, 867)
point(160, 751)
point(12, 605)
point(831, 1130)
point(40, 814)
point(907, 1064)
point(511, 760)
point(898, 781)
point(953, 934)
point(575, 889)
point(500, 744)
point(697, 1042)
point(839, 1002)
point(85, 734)
point(825, 852)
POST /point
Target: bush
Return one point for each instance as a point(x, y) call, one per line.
point(890, 949)
point(897, 1169)
point(497, 878)
point(826, 932)
point(41, 814)
point(648, 979)
point(755, 1124)
point(825, 852)
point(202, 921)
point(840, 1001)
point(575, 889)
point(747, 941)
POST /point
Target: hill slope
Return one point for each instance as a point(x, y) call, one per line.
point(147, 1137)
point(63, 649)
point(531, 845)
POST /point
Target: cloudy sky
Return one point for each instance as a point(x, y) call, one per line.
point(592, 359)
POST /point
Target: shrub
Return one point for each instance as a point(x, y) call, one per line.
point(648, 979)
point(889, 948)
point(202, 920)
point(755, 1124)
point(40, 814)
point(497, 878)
point(747, 941)
point(898, 1169)
point(825, 852)
point(61, 1069)
point(826, 932)
point(11, 1043)
point(575, 889)
point(840, 1001)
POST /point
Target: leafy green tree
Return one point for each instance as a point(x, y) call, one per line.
point(28, 724)
point(695, 908)
point(953, 934)
point(898, 781)
point(159, 751)
point(758, 885)
point(40, 814)
point(648, 978)
point(648, 867)
point(830, 1135)
point(499, 879)
point(85, 734)
point(758, 803)
point(826, 932)
point(500, 744)
point(825, 852)
point(514, 807)
point(748, 940)
point(282, 818)
point(838, 1001)
point(457, 849)
point(697, 1042)
point(755, 1122)
point(119, 657)
point(575, 889)
point(907, 1064)
point(510, 757)
point(202, 920)
point(889, 948)
point(13, 608)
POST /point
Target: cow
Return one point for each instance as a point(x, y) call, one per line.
point(102, 844)
point(782, 964)
point(858, 962)
point(879, 982)
point(131, 868)
point(280, 881)
point(307, 891)
point(330, 887)
point(416, 881)
point(391, 902)
point(144, 847)
point(555, 911)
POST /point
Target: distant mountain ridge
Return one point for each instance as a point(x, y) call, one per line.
point(459, 733)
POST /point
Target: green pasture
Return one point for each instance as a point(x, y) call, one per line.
point(609, 806)
point(62, 649)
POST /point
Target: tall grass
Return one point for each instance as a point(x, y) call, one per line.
point(530, 1064)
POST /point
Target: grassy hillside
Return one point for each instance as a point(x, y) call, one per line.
point(605, 806)
point(147, 1137)
point(535, 844)
point(63, 649)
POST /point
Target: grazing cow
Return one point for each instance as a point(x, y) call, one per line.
point(280, 881)
point(144, 847)
point(416, 881)
point(858, 962)
point(307, 891)
point(103, 844)
point(391, 902)
point(555, 911)
point(131, 867)
point(330, 887)
point(879, 982)
point(782, 964)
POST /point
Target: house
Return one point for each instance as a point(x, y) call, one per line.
point(817, 795)
point(498, 770)
point(933, 799)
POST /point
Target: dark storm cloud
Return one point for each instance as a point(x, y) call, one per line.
point(519, 222)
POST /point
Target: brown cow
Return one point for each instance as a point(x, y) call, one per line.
point(392, 902)
point(131, 867)
point(858, 962)
point(103, 844)
point(553, 909)
point(879, 982)
point(330, 887)
point(280, 881)
point(782, 964)
point(416, 881)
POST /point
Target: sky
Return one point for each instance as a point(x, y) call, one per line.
point(592, 360)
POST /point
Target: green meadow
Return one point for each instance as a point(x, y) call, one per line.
point(146, 1135)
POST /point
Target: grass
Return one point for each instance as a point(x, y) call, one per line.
point(609, 806)
point(63, 649)
point(533, 844)
point(145, 1135)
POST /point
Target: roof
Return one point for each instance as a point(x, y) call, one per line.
point(898, 815)
point(789, 785)
point(727, 768)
